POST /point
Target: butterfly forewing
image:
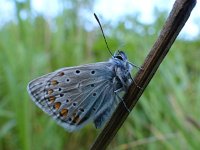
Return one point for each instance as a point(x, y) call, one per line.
point(75, 95)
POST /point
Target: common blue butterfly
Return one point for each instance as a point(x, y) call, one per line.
point(73, 96)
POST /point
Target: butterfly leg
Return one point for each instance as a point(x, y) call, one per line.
point(135, 83)
point(116, 92)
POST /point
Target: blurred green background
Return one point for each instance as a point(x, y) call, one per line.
point(166, 116)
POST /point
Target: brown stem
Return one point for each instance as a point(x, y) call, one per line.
point(175, 22)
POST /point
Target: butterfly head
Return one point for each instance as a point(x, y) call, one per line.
point(120, 59)
point(122, 68)
point(120, 55)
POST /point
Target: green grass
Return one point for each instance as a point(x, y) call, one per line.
point(160, 119)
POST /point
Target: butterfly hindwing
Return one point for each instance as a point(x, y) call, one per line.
point(75, 95)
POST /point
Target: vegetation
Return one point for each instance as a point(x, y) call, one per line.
point(166, 116)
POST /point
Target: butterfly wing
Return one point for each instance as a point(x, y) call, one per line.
point(75, 95)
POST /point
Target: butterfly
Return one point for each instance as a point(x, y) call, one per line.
point(74, 96)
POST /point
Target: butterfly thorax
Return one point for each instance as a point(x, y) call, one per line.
point(122, 70)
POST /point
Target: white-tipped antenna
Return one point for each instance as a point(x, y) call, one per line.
point(103, 34)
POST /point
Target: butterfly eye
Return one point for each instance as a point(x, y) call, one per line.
point(119, 57)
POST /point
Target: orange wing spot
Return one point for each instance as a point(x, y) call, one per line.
point(52, 99)
point(76, 119)
point(54, 82)
point(64, 112)
point(57, 105)
point(50, 91)
point(61, 73)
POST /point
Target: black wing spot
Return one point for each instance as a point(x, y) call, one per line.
point(61, 95)
point(77, 71)
point(67, 80)
point(74, 104)
point(94, 94)
point(92, 85)
point(92, 72)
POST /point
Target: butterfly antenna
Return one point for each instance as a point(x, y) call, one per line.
point(135, 65)
point(103, 33)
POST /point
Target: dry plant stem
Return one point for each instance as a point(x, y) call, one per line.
point(175, 22)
